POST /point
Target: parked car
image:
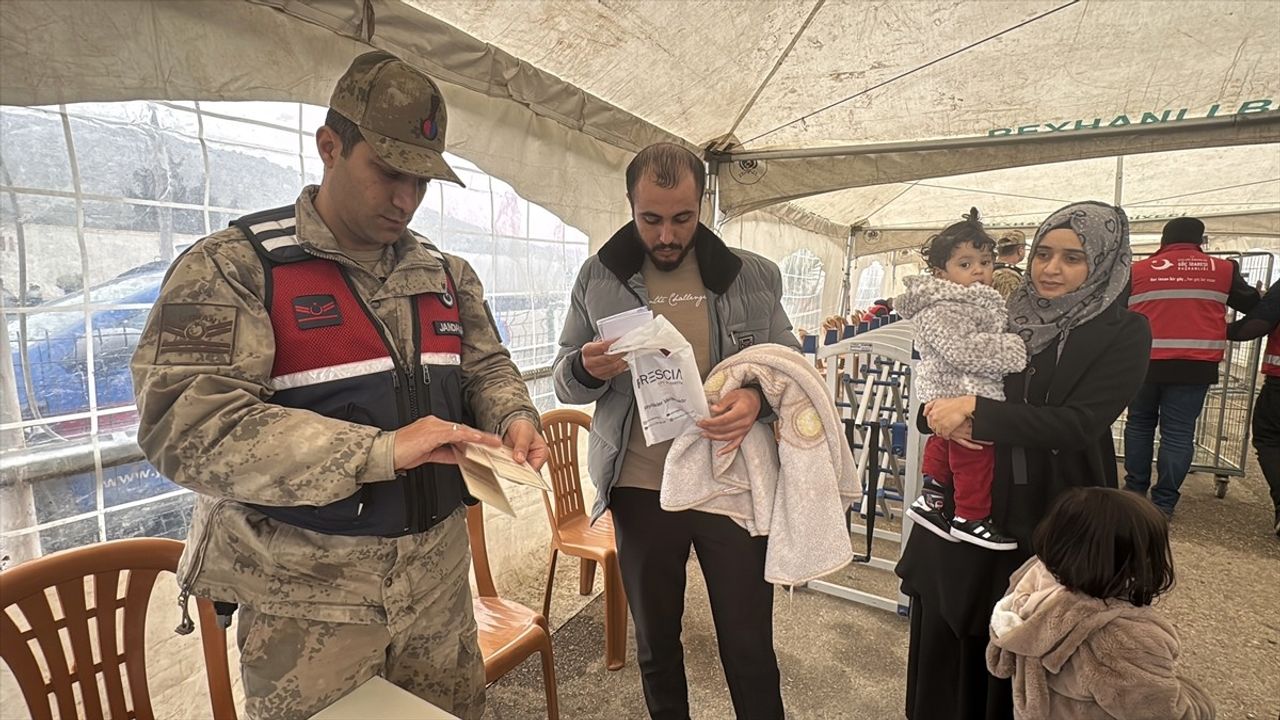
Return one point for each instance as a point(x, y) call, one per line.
point(52, 372)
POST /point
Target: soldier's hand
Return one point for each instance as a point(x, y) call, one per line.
point(431, 440)
point(526, 444)
point(599, 364)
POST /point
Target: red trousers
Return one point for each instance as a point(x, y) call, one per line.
point(967, 471)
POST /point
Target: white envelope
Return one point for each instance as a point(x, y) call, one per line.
point(615, 326)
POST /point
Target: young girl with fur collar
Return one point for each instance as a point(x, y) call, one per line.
point(1076, 631)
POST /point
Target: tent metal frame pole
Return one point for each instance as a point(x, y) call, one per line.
point(1184, 126)
point(846, 285)
point(713, 190)
point(1119, 180)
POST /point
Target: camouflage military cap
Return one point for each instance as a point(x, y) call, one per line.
point(1011, 238)
point(400, 113)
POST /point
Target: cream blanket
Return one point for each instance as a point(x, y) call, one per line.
point(792, 482)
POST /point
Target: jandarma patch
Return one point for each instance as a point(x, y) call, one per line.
point(196, 334)
point(448, 327)
point(316, 311)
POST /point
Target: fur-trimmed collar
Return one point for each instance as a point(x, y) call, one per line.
point(623, 255)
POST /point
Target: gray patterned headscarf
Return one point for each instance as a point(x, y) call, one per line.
point(1104, 232)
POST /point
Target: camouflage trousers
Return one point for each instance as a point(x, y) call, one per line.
point(294, 667)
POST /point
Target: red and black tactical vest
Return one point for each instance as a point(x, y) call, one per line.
point(334, 357)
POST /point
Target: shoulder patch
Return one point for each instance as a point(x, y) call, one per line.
point(196, 334)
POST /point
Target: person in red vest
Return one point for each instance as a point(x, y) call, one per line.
point(1264, 319)
point(1184, 293)
point(878, 308)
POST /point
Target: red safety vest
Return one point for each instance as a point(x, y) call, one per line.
point(1183, 292)
point(1271, 359)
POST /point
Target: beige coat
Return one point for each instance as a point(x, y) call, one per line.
point(1074, 657)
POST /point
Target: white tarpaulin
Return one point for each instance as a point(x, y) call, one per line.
point(554, 95)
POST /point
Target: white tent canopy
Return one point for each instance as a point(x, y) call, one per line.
point(913, 109)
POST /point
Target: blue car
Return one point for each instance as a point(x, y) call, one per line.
point(54, 368)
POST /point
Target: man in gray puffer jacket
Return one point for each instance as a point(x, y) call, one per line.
point(722, 300)
point(960, 323)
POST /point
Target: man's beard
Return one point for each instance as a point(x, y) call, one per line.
point(665, 265)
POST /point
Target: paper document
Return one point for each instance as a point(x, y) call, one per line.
point(481, 468)
point(615, 326)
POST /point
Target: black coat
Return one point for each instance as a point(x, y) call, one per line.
point(1058, 415)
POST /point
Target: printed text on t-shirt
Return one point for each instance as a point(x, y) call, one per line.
point(678, 299)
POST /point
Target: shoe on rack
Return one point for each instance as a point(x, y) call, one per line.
point(982, 533)
point(927, 511)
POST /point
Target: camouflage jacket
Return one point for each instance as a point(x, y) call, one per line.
point(1006, 279)
point(207, 422)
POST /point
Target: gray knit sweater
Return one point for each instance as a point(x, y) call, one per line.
point(960, 334)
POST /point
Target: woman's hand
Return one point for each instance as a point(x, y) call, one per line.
point(946, 415)
point(431, 440)
point(963, 436)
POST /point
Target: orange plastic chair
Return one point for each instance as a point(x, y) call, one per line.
point(509, 632)
point(27, 651)
point(573, 534)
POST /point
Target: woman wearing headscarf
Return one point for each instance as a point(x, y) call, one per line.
point(1088, 355)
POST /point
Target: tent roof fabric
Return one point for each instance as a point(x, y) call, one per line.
point(593, 82)
point(1009, 63)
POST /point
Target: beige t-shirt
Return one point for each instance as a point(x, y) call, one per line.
point(678, 296)
point(377, 262)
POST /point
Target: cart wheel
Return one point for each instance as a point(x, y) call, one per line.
point(1221, 487)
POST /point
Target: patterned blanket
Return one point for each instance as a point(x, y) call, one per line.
point(791, 481)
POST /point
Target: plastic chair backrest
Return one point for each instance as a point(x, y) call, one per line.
point(480, 552)
point(87, 582)
point(560, 429)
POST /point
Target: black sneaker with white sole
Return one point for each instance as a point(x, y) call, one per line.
point(981, 533)
point(927, 511)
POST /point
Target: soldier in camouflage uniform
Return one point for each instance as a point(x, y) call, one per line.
point(1011, 249)
point(307, 372)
